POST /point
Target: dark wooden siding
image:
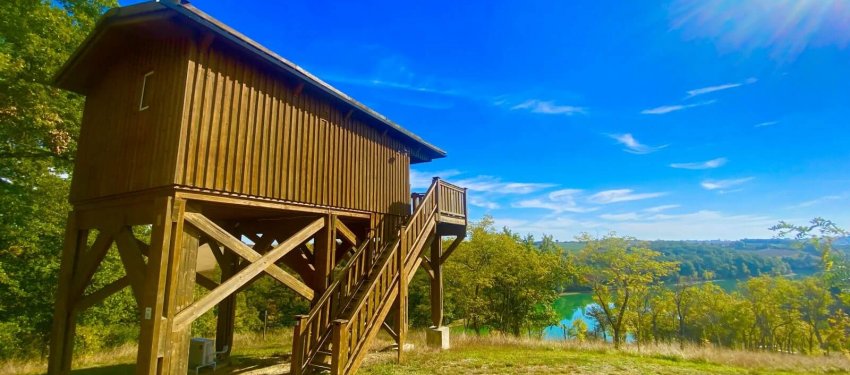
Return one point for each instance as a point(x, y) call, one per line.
point(249, 132)
point(122, 149)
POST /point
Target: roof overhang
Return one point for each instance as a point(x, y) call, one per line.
point(78, 70)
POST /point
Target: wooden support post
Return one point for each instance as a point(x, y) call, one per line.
point(298, 350)
point(151, 344)
point(226, 309)
point(62, 333)
point(340, 340)
point(181, 294)
point(324, 251)
point(401, 330)
point(437, 281)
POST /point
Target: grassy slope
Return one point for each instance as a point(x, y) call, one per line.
point(491, 355)
point(525, 360)
point(471, 355)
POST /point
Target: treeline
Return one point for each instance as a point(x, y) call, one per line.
point(496, 280)
point(766, 313)
point(500, 281)
point(733, 260)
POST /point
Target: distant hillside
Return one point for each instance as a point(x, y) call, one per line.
point(736, 259)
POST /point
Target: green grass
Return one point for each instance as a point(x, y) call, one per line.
point(471, 354)
point(541, 360)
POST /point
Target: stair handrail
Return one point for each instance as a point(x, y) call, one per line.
point(317, 323)
point(350, 331)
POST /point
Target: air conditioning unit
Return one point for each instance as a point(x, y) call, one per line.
point(201, 353)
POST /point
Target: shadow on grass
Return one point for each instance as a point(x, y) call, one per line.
point(244, 364)
point(106, 370)
point(238, 365)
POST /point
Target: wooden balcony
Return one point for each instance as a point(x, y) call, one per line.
point(451, 206)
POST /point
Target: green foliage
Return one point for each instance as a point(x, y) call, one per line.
point(280, 302)
point(620, 274)
point(498, 280)
point(38, 127)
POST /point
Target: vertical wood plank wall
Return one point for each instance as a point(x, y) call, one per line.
point(122, 149)
point(251, 133)
point(219, 122)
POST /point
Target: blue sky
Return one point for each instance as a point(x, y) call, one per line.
point(680, 119)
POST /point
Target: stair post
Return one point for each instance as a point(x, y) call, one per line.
point(401, 319)
point(339, 357)
point(297, 362)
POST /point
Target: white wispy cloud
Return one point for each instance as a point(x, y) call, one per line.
point(628, 216)
point(548, 107)
point(766, 123)
point(621, 195)
point(821, 200)
point(495, 185)
point(422, 179)
point(664, 109)
point(657, 209)
point(632, 144)
point(699, 225)
point(727, 86)
point(724, 184)
point(710, 164)
point(558, 201)
point(483, 203)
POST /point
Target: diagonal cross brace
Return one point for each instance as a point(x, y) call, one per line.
point(221, 236)
point(260, 263)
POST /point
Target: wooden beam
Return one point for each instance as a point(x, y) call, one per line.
point(189, 314)
point(298, 262)
point(89, 262)
point(451, 248)
point(133, 262)
point(218, 234)
point(346, 233)
point(426, 263)
point(436, 293)
point(154, 307)
point(103, 293)
point(143, 247)
point(64, 318)
point(390, 331)
point(205, 282)
point(216, 250)
point(324, 252)
point(226, 316)
point(275, 204)
point(307, 254)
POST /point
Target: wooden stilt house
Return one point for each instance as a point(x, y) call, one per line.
point(232, 155)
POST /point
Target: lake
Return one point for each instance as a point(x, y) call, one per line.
point(572, 306)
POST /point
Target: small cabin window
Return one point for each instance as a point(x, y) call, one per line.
point(143, 103)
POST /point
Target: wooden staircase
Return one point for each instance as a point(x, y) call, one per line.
point(337, 333)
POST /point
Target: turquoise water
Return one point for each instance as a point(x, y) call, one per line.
point(570, 307)
point(573, 306)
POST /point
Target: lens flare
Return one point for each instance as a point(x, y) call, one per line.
point(785, 28)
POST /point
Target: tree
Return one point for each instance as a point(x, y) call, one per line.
point(502, 281)
point(822, 234)
point(815, 306)
point(578, 330)
point(684, 301)
point(38, 127)
point(617, 270)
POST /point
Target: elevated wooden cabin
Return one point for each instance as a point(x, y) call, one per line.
point(210, 139)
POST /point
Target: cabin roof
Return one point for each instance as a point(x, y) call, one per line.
point(77, 72)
